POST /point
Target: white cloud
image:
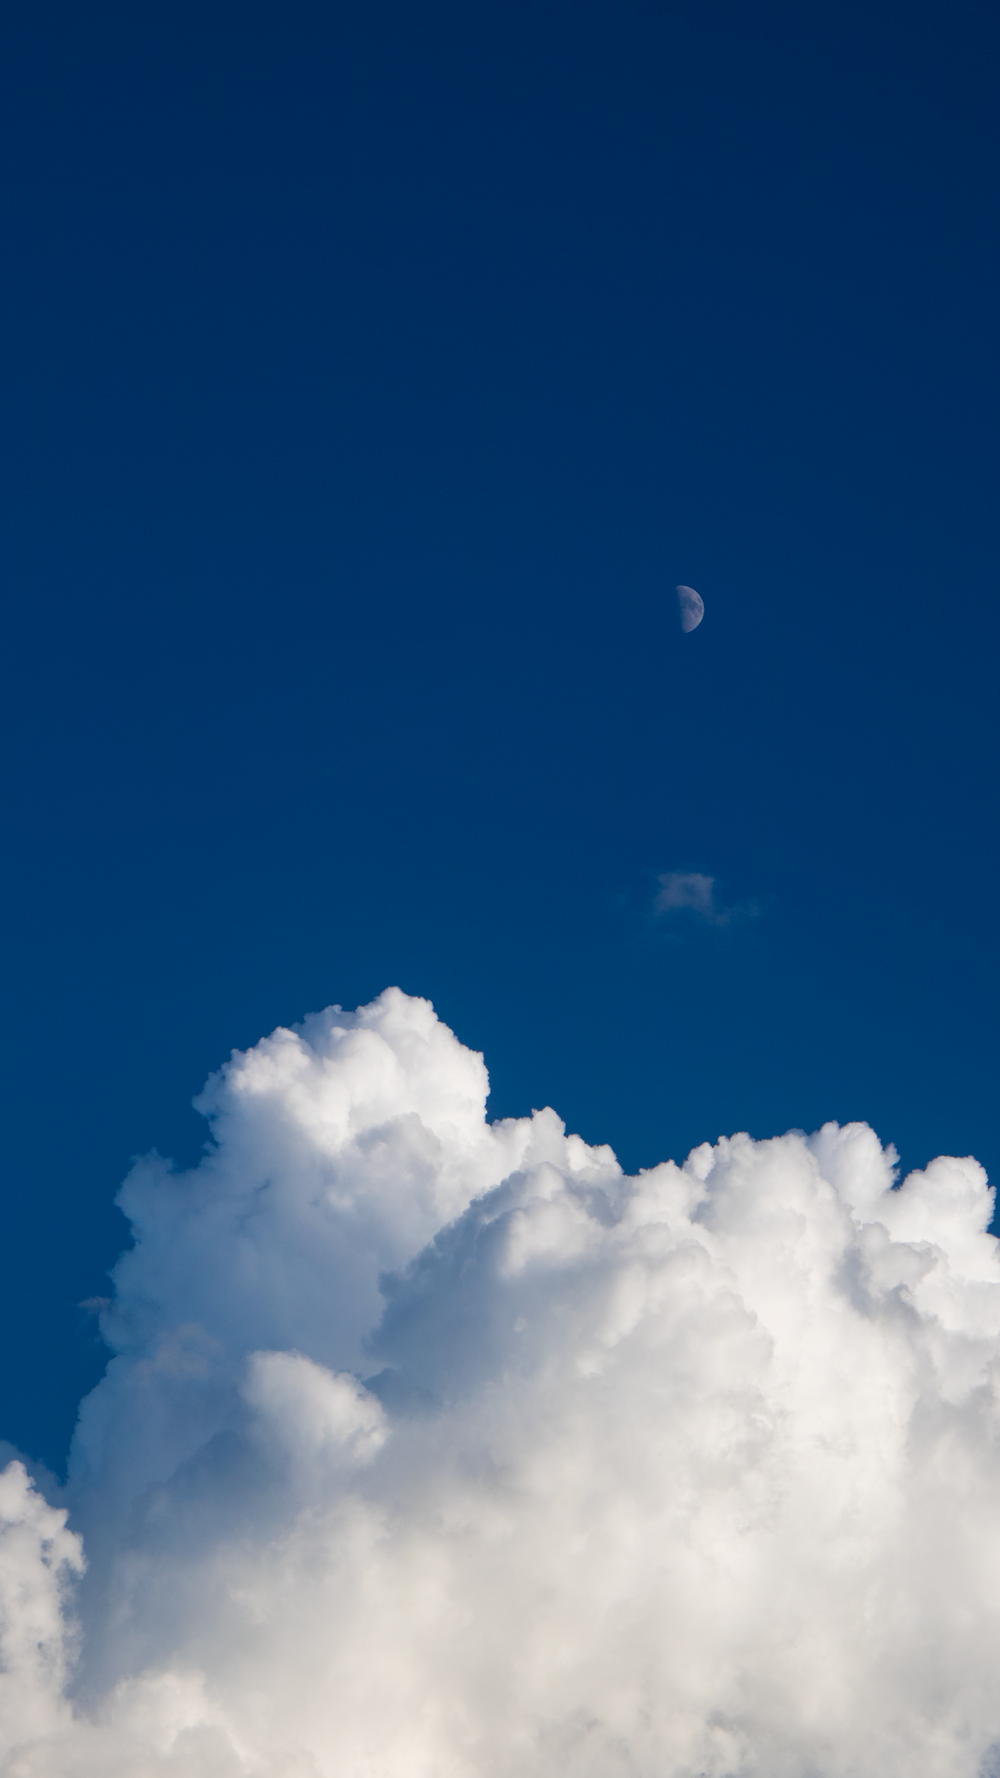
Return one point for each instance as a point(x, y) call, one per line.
point(37, 1556)
point(690, 891)
point(693, 1473)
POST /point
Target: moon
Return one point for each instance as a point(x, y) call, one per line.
point(692, 607)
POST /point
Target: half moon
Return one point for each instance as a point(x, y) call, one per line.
point(692, 607)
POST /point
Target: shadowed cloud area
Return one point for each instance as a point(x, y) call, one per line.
point(434, 1446)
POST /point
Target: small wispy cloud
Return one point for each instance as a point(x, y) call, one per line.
point(690, 891)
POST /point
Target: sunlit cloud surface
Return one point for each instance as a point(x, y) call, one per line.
point(435, 1448)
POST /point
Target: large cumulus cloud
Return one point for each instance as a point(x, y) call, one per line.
point(432, 1448)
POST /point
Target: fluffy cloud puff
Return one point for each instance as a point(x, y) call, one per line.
point(432, 1448)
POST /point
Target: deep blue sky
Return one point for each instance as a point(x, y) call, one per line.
point(370, 375)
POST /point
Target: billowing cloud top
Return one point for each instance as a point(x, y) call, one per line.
point(434, 1448)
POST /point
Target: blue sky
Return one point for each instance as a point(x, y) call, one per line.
point(371, 376)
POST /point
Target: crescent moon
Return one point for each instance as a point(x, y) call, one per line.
point(692, 607)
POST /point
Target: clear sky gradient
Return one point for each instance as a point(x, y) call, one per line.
point(371, 375)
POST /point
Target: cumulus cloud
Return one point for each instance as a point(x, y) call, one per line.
point(435, 1448)
point(691, 891)
point(37, 1557)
